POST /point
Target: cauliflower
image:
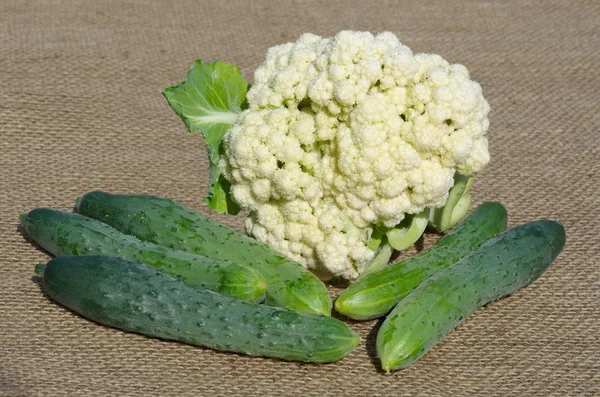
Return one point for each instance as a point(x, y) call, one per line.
point(346, 144)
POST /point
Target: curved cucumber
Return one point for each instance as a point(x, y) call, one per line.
point(164, 222)
point(499, 267)
point(68, 233)
point(377, 293)
point(135, 298)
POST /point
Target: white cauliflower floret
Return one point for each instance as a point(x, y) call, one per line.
point(346, 133)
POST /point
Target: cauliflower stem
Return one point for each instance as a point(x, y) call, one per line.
point(381, 259)
point(342, 150)
point(400, 238)
point(456, 206)
point(412, 227)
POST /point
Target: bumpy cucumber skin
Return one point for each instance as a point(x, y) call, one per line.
point(68, 233)
point(164, 222)
point(376, 294)
point(499, 267)
point(135, 298)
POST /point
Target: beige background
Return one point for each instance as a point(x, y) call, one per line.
point(81, 108)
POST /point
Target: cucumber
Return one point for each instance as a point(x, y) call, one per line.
point(162, 221)
point(499, 267)
point(68, 233)
point(130, 296)
point(377, 293)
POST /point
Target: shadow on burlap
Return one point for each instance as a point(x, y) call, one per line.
point(81, 109)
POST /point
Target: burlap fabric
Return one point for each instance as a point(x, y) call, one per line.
point(81, 109)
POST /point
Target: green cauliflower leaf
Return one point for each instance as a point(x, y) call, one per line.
point(210, 100)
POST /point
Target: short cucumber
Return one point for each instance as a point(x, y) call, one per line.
point(499, 267)
point(68, 233)
point(135, 298)
point(162, 221)
point(377, 293)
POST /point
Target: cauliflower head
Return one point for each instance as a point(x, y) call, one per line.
point(345, 135)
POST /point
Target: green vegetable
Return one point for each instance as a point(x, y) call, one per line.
point(377, 293)
point(135, 298)
point(170, 224)
point(499, 267)
point(67, 233)
point(209, 100)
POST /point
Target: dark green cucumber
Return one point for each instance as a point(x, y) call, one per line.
point(162, 221)
point(499, 267)
point(135, 298)
point(377, 293)
point(68, 233)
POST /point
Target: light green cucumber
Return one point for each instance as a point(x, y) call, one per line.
point(377, 293)
point(68, 233)
point(162, 221)
point(499, 267)
point(135, 298)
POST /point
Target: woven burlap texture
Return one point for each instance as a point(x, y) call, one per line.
point(81, 109)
